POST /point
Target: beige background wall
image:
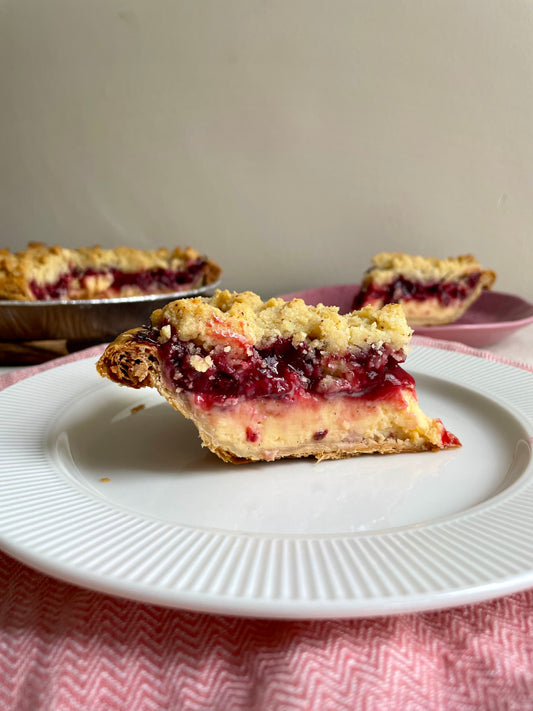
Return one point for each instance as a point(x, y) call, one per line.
point(288, 139)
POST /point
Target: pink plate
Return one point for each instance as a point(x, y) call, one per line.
point(494, 316)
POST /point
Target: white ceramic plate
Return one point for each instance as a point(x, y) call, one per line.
point(124, 500)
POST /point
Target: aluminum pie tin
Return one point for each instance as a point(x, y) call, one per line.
point(84, 319)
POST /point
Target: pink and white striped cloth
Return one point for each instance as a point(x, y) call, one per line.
point(64, 648)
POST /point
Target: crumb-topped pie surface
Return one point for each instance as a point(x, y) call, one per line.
point(265, 380)
point(432, 291)
point(43, 273)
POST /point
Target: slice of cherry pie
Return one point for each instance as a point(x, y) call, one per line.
point(42, 273)
point(432, 291)
point(265, 380)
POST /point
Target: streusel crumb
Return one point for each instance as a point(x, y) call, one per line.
point(245, 319)
point(419, 268)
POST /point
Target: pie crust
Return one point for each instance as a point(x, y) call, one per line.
point(266, 380)
point(432, 291)
point(42, 273)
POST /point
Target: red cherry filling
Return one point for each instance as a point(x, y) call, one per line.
point(319, 434)
point(148, 281)
point(402, 289)
point(251, 435)
point(281, 370)
point(59, 290)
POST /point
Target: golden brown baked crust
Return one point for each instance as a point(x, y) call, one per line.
point(43, 265)
point(388, 267)
point(241, 429)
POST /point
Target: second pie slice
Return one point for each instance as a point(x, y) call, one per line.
point(432, 291)
point(267, 380)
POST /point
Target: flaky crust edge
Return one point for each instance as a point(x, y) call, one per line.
point(129, 361)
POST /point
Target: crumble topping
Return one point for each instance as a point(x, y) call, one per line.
point(244, 320)
point(424, 269)
point(47, 263)
point(201, 363)
point(165, 333)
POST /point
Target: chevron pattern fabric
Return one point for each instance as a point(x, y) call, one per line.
point(64, 648)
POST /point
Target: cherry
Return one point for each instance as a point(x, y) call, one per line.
point(281, 370)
